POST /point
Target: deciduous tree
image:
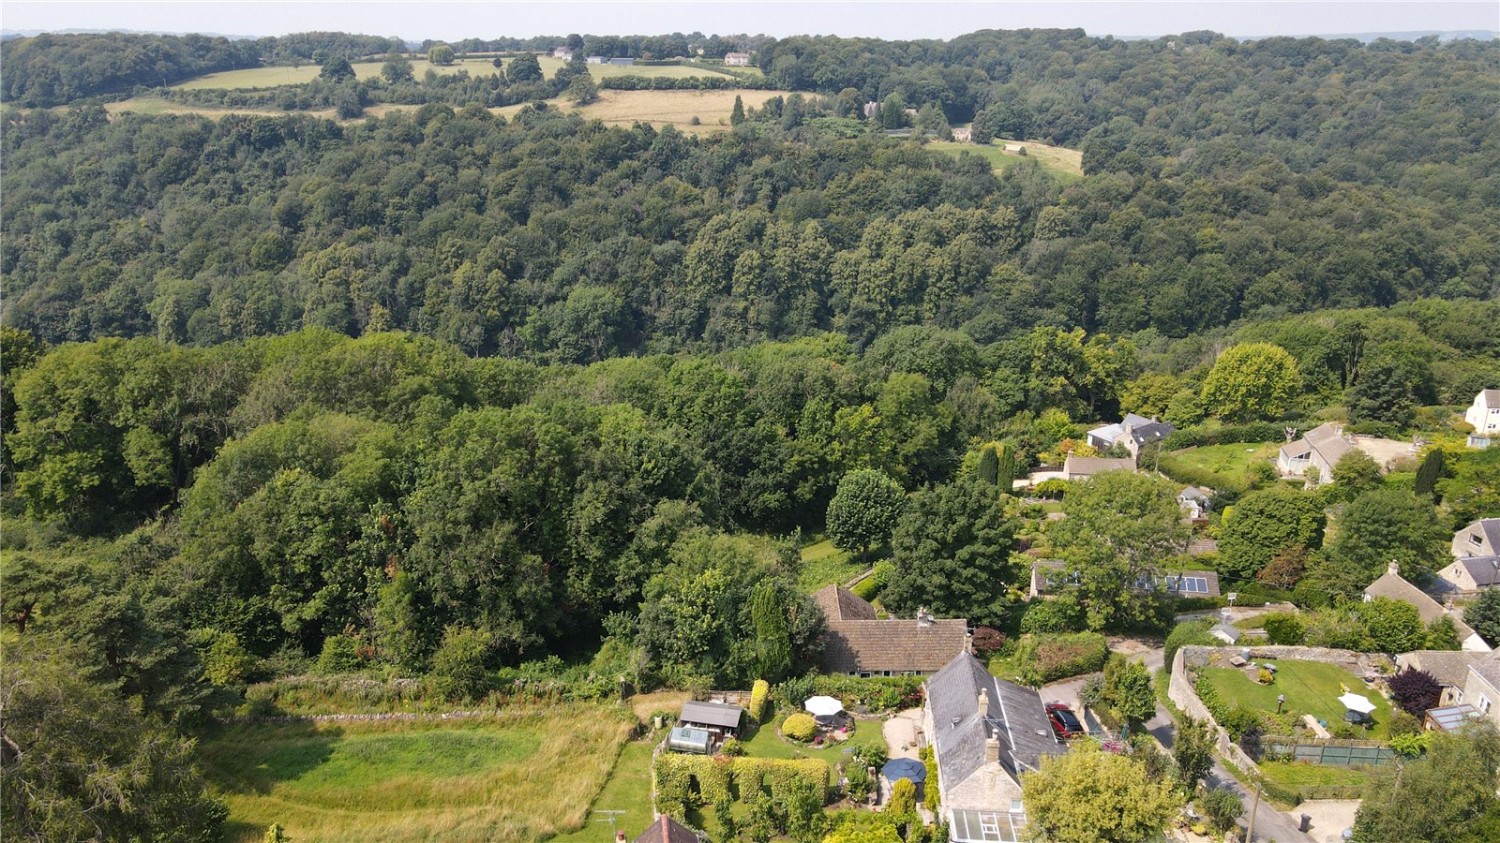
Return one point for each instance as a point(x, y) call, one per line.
point(1092, 796)
point(1251, 381)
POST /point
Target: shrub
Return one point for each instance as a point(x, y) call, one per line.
point(1265, 677)
point(458, 666)
point(1053, 489)
point(859, 782)
point(760, 694)
point(1185, 634)
point(791, 693)
point(986, 640)
point(930, 792)
point(799, 727)
point(1283, 628)
point(1415, 691)
point(1046, 659)
point(732, 748)
point(1221, 808)
point(879, 693)
point(903, 798)
point(1411, 745)
point(1403, 723)
point(1058, 614)
point(340, 655)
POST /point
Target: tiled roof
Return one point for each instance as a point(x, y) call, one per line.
point(1014, 715)
point(839, 603)
point(1395, 587)
point(1090, 466)
point(857, 642)
point(1448, 667)
point(667, 830)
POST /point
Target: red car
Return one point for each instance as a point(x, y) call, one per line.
point(1065, 723)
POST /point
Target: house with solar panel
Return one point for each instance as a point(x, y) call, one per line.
point(985, 732)
point(1052, 575)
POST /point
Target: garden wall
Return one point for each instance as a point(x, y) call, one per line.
point(1180, 692)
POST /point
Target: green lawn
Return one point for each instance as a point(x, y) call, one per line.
point(1297, 775)
point(1216, 466)
point(1310, 688)
point(768, 744)
point(517, 778)
point(628, 790)
point(1067, 163)
point(822, 564)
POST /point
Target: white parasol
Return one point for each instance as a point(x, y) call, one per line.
point(1355, 702)
point(823, 706)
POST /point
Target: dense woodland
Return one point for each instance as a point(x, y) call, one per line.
point(483, 400)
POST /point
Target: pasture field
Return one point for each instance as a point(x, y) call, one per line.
point(273, 76)
point(1061, 160)
point(517, 777)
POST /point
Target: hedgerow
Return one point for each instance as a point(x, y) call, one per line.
point(736, 779)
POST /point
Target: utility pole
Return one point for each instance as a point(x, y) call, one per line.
point(1254, 804)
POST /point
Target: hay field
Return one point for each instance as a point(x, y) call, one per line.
point(519, 777)
point(622, 108)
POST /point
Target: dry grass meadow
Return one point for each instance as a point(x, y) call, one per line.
point(518, 777)
point(615, 108)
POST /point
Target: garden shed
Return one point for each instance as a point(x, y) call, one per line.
point(718, 719)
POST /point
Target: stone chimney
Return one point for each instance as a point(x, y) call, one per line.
point(1394, 568)
point(992, 749)
point(984, 706)
point(923, 618)
point(619, 837)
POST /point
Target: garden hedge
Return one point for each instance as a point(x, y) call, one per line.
point(721, 777)
point(760, 694)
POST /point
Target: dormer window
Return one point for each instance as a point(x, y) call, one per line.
point(1475, 540)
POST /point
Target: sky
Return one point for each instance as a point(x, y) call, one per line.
point(897, 19)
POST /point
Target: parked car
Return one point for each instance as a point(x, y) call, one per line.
point(1065, 724)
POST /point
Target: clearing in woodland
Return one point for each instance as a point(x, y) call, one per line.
point(522, 775)
point(1006, 153)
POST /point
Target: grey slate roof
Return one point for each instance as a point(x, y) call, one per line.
point(857, 642)
point(1490, 527)
point(1448, 667)
point(1492, 397)
point(1326, 439)
point(1484, 569)
point(1488, 669)
point(1015, 716)
point(712, 714)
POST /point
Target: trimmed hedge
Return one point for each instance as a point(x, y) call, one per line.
point(721, 777)
point(800, 727)
point(760, 694)
point(1231, 433)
